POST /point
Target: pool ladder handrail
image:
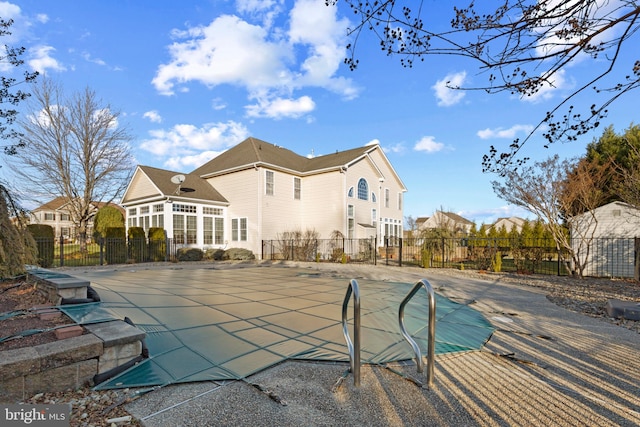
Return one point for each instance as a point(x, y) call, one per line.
point(354, 347)
point(424, 283)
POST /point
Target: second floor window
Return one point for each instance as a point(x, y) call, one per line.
point(269, 183)
point(297, 188)
point(363, 189)
point(49, 217)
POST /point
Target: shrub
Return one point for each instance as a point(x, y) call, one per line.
point(214, 254)
point(137, 244)
point(44, 238)
point(496, 265)
point(238, 254)
point(190, 254)
point(157, 244)
point(107, 217)
point(115, 245)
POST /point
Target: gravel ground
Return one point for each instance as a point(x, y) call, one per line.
point(586, 296)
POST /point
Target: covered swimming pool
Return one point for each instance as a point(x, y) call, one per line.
point(206, 324)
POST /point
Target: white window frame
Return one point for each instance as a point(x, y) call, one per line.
point(297, 188)
point(239, 229)
point(269, 183)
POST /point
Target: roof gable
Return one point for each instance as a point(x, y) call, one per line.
point(254, 152)
point(193, 187)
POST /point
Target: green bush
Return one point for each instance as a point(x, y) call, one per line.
point(426, 258)
point(238, 254)
point(214, 254)
point(190, 254)
point(115, 245)
point(44, 237)
point(107, 217)
point(496, 265)
point(137, 244)
point(157, 244)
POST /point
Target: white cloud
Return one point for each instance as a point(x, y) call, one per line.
point(190, 162)
point(153, 116)
point(270, 63)
point(280, 107)
point(443, 92)
point(184, 141)
point(218, 104)
point(87, 57)
point(504, 133)
point(429, 144)
point(42, 18)
point(40, 59)
point(228, 50)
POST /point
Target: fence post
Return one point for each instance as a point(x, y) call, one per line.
point(101, 242)
point(636, 257)
point(443, 252)
point(400, 252)
point(61, 250)
point(375, 250)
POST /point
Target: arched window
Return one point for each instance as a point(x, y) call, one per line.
point(350, 192)
point(363, 189)
point(373, 197)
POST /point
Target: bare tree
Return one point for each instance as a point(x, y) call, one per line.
point(74, 147)
point(523, 47)
point(8, 92)
point(544, 190)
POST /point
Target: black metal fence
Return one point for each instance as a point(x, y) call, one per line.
point(108, 251)
point(603, 257)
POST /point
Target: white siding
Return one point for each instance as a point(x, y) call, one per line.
point(243, 190)
point(280, 211)
point(614, 227)
point(324, 203)
point(140, 187)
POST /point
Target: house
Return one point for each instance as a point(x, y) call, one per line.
point(57, 214)
point(509, 224)
point(257, 190)
point(445, 220)
point(604, 239)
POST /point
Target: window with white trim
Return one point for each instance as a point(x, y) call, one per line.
point(213, 225)
point(297, 188)
point(269, 183)
point(399, 201)
point(363, 189)
point(239, 229)
point(350, 221)
point(386, 197)
point(49, 216)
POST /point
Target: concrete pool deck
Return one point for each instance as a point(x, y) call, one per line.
point(544, 365)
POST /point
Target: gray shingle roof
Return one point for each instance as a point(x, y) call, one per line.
point(255, 151)
point(201, 189)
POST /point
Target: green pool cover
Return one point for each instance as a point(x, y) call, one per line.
point(208, 324)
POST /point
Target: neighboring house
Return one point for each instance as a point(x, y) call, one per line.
point(257, 190)
point(509, 224)
point(612, 228)
point(57, 214)
point(445, 220)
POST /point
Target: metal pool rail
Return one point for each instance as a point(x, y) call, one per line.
point(354, 347)
point(432, 329)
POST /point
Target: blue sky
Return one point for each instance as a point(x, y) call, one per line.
point(193, 78)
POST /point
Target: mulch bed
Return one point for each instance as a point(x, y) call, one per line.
point(22, 295)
